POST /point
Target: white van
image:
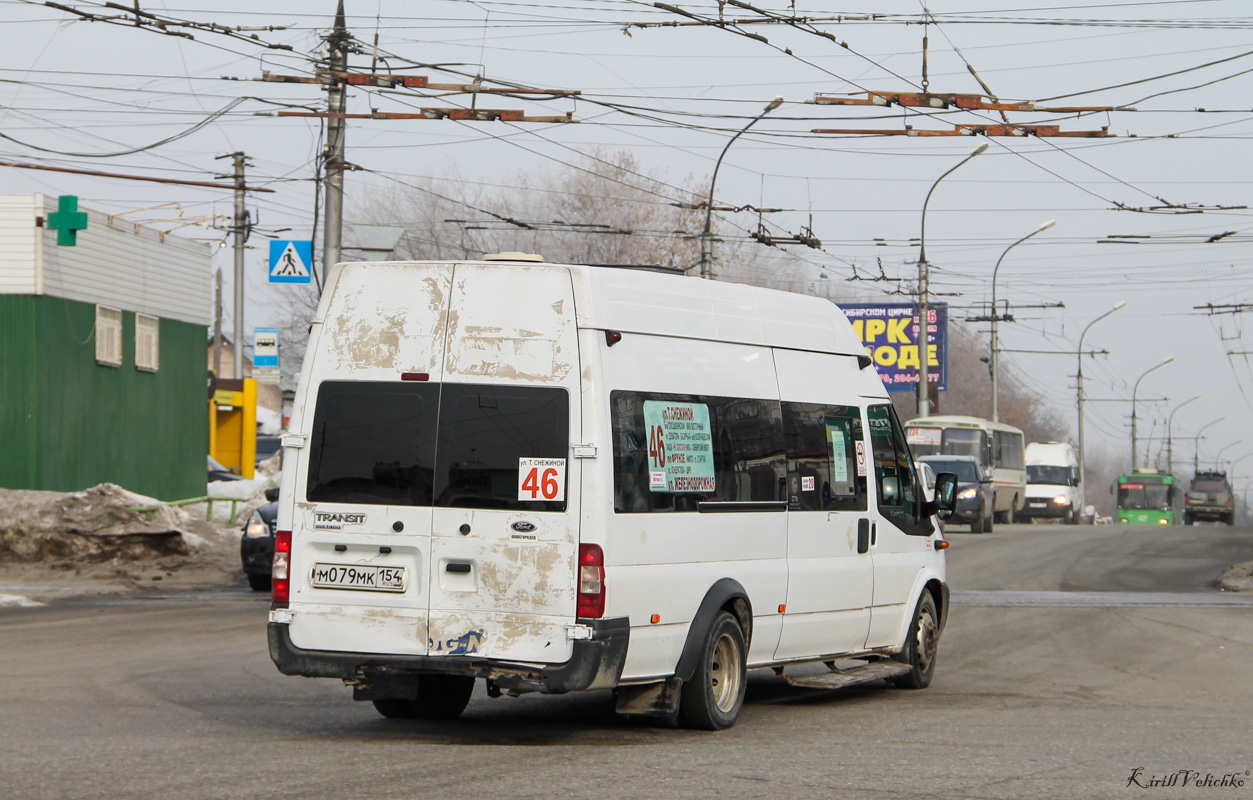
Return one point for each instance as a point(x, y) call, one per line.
point(1054, 485)
point(557, 478)
point(997, 446)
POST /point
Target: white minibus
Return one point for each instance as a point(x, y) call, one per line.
point(999, 447)
point(555, 478)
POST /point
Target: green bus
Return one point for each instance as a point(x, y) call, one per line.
point(1149, 497)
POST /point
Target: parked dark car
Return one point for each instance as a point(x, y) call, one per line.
point(256, 548)
point(267, 446)
point(217, 472)
point(974, 490)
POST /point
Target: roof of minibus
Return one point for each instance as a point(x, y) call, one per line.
point(960, 421)
point(643, 300)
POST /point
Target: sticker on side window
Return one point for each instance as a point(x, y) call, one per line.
point(680, 446)
point(542, 479)
point(861, 459)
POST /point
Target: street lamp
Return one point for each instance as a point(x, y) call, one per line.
point(924, 278)
point(706, 237)
point(1196, 444)
point(1079, 379)
point(1170, 445)
point(1133, 407)
point(1218, 459)
point(996, 417)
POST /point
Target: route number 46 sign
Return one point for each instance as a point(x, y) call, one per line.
point(542, 479)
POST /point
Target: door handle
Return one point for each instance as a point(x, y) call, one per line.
point(874, 534)
point(863, 536)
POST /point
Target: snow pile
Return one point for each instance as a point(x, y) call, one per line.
point(94, 524)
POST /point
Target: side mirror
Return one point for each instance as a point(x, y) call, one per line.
point(986, 479)
point(945, 494)
point(271, 494)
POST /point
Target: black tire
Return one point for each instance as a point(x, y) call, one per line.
point(921, 644)
point(987, 524)
point(1187, 519)
point(259, 583)
point(712, 699)
point(439, 697)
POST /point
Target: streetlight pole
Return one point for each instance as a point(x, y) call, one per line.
point(1079, 379)
point(1170, 445)
point(1135, 389)
point(1218, 458)
point(1196, 444)
point(924, 279)
point(996, 416)
point(706, 237)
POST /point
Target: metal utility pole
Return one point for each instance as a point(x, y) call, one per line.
point(1079, 379)
point(924, 283)
point(333, 220)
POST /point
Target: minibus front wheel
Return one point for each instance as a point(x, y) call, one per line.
point(921, 645)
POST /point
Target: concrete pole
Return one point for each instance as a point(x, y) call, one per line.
point(333, 219)
point(241, 223)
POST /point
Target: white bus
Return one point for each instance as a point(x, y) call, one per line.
point(553, 478)
point(998, 446)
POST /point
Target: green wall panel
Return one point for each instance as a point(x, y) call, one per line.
point(75, 423)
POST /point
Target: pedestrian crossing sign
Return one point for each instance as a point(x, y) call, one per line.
point(290, 261)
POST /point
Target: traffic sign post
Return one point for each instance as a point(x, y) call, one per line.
point(290, 261)
point(265, 366)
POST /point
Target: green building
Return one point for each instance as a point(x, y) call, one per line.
point(102, 372)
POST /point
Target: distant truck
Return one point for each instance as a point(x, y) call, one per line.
point(1209, 497)
point(1054, 485)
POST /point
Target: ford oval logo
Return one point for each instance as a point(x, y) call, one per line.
point(523, 526)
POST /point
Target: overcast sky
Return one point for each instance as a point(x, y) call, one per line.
point(1180, 72)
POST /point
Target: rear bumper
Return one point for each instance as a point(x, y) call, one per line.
point(595, 663)
point(1207, 512)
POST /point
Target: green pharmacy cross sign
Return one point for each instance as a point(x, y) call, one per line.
point(67, 220)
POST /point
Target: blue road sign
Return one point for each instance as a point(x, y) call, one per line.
point(291, 261)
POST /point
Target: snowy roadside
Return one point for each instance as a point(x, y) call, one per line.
point(109, 541)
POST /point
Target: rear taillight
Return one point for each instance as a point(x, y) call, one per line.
point(591, 581)
point(280, 572)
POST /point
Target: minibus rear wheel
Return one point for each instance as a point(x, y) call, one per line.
point(712, 699)
point(439, 697)
point(920, 645)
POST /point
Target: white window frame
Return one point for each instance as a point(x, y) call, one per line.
point(147, 342)
point(108, 336)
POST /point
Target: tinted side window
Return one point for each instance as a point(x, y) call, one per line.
point(485, 432)
point(822, 445)
point(673, 451)
point(373, 443)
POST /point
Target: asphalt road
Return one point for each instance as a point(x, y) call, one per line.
point(1073, 657)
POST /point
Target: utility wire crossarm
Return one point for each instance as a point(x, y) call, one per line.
point(963, 102)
